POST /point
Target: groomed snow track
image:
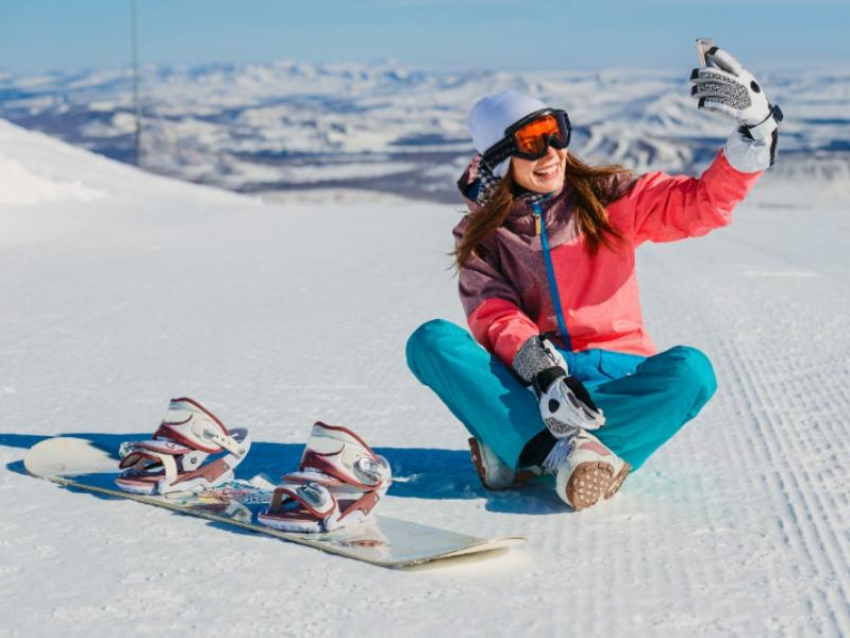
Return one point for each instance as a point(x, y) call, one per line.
point(277, 315)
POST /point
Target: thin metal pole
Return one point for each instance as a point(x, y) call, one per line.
point(136, 101)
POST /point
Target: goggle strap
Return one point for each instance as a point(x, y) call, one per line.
point(499, 152)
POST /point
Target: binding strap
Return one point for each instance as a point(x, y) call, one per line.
point(141, 459)
point(313, 497)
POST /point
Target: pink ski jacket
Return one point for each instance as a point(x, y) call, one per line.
point(505, 288)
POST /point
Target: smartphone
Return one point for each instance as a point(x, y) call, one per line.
point(703, 45)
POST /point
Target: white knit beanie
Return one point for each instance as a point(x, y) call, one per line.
point(492, 114)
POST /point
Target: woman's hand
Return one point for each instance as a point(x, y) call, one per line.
point(472, 171)
point(725, 87)
point(565, 404)
point(472, 189)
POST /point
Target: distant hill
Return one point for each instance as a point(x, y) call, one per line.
point(291, 126)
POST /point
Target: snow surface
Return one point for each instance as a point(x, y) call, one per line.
point(277, 314)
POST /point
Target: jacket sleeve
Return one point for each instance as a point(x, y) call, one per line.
point(492, 306)
point(659, 207)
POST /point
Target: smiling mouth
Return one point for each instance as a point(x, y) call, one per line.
point(547, 172)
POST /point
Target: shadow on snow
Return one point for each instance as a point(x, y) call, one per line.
point(427, 473)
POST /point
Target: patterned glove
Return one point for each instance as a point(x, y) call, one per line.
point(726, 88)
point(479, 181)
point(565, 404)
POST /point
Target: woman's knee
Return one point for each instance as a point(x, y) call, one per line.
point(695, 370)
point(429, 340)
point(426, 336)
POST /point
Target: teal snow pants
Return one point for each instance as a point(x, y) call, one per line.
point(645, 399)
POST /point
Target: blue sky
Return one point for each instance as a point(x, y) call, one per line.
point(37, 35)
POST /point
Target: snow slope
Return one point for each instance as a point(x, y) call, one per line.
point(120, 290)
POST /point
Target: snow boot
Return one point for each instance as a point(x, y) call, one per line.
point(586, 471)
point(494, 473)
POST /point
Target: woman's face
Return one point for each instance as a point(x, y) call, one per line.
point(544, 175)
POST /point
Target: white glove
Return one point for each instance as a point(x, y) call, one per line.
point(726, 88)
point(565, 404)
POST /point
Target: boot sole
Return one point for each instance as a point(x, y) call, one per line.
point(592, 482)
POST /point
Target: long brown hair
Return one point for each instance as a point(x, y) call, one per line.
point(590, 184)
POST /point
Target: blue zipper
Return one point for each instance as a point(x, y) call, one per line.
point(550, 274)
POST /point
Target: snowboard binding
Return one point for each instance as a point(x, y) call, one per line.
point(340, 481)
point(176, 459)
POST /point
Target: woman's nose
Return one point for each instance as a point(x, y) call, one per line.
point(551, 155)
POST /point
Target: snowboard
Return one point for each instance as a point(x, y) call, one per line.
point(387, 542)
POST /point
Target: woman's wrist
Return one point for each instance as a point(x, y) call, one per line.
point(535, 357)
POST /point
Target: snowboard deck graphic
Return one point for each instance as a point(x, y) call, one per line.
point(383, 541)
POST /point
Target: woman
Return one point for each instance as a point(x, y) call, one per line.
point(547, 279)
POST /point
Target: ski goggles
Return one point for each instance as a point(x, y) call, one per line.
point(530, 137)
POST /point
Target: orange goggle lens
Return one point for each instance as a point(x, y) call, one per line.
point(532, 138)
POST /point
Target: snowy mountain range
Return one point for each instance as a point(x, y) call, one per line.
point(298, 129)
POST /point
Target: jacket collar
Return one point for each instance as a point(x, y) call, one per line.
point(526, 199)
